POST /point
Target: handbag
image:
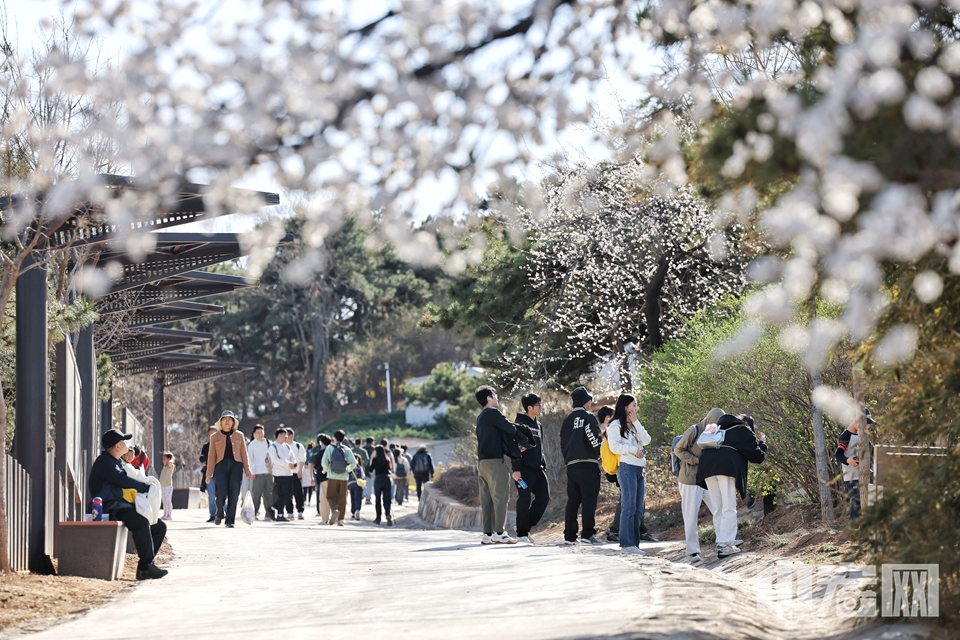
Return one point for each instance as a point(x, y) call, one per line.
point(361, 482)
point(711, 438)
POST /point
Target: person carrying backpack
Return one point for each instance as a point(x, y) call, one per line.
point(687, 453)
point(337, 462)
point(422, 468)
point(723, 471)
point(401, 472)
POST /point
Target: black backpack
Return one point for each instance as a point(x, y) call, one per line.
point(338, 460)
point(421, 463)
point(401, 468)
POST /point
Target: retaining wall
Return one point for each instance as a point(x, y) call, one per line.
point(441, 511)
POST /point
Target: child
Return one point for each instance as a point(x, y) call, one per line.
point(166, 484)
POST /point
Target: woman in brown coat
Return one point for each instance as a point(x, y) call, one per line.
point(227, 463)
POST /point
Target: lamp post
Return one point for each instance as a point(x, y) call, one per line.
point(386, 366)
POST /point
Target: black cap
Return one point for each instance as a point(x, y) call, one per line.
point(112, 437)
point(580, 396)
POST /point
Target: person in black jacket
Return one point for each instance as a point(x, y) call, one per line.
point(723, 472)
point(107, 481)
point(422, 464)
point(580, 438)
point(496, 438)
point(530, 468)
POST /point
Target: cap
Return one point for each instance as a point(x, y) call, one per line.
point(580, 396)
point(112, 437)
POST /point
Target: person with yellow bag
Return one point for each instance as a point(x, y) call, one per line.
point(609, 463)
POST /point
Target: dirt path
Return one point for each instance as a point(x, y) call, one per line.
point(300, 579)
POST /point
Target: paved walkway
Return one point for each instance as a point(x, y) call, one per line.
point(301, 580)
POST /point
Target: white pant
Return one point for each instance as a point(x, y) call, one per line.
point(166, 494)
point(691, 496)
point(724, 492)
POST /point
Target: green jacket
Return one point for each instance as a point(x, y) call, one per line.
point(364, 456)
point(328, 454)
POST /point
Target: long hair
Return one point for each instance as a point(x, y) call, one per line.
point(620, 413)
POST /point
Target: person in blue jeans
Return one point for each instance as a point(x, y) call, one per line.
point(627, 439)
point(211, 486)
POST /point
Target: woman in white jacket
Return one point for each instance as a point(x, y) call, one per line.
point(627, 438)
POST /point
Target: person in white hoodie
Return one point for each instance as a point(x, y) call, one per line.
point(627, 438)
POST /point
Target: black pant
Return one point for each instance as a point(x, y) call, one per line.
point(282, 484)
point(422, 477)
point(583, 489)
point(381, 494)
point(296, 491)
point(228, 475)
point(528, 515)
point(307, 495)
point(146, 537)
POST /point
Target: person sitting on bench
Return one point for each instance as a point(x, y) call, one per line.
point(108, 482)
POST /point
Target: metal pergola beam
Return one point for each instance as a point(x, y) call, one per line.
point(187, 286)
point(171, 312)
point(205, 371)
point(161, 362)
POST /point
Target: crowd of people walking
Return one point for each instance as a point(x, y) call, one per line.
point(285, 476)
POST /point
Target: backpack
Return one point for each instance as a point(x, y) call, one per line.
point(711, 438)
point(338, 461)
point(421, 463)
point(608, 459)
point(401, 468)
point(675, 462)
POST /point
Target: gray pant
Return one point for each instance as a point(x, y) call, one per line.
point(262, 489)
point(494, 477)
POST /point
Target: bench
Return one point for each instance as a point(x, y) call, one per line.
point(186, 498)
point(92, 549)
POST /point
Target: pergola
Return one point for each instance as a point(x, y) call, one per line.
point(157, 287)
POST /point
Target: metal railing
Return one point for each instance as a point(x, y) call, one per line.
point(18, 514)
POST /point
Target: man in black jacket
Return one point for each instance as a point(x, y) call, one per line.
point(496, 437)
point(530, 468)
point(580, 439)
point(107, 481)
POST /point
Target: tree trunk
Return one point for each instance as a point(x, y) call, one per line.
point(651, 304)
point(820, 450)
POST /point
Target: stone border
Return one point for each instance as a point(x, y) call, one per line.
point(441, 511)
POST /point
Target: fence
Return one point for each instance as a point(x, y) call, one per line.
point(18, 514)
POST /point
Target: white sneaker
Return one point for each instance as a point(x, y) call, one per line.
point(632, 551)
point(737, 543)
point(724, 551)
point(486, 539)
point(333, 517)
point(572, 543)
point(527, 538)
point(695, 558)
point(503, 538)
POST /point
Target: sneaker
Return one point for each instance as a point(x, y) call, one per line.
point(218, 521)
point(527, 538)
point(367, 501)
point(486, 539)
point(725, 551)
point(750, 502)
point(503, 538)
point(376, 521)
point(212, 519)
point(389, 521)
point(300, 516)
point(339, 523)
point(695, 558)
point(333, 517)
point(613, 537)
point(632, 551)
point(151, 572)
point(229, 526)
point(647, 537)
point(591, 540)
point(280, 519)
point(737, 543)
point(571, 542)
